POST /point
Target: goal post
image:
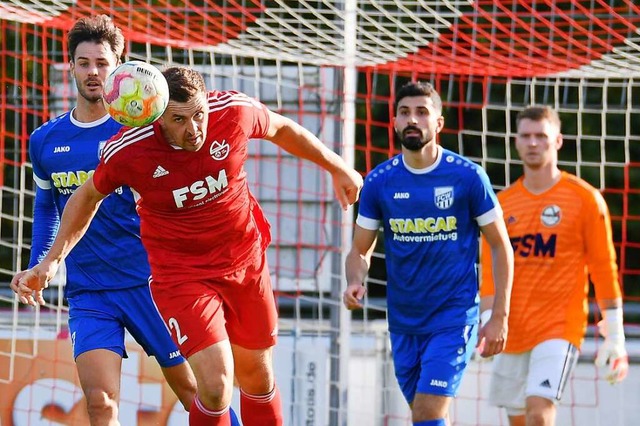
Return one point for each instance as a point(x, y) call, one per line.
point(334, 67)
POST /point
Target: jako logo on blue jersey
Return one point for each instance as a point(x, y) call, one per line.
point(535, 243)
point(401, 196)
point(201, 188)
point(58, 149)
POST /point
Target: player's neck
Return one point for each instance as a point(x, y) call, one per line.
point(423, 158)
point(542, 179)
point(87, 112)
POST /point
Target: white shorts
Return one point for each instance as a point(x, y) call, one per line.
point(543, 371)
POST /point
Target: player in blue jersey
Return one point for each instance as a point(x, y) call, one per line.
point(107, 273)
point(431, 204)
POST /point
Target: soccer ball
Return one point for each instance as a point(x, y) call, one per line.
point(135, 94)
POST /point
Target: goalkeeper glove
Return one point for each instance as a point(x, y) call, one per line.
point(612, 353)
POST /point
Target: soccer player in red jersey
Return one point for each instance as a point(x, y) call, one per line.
point(205, 234)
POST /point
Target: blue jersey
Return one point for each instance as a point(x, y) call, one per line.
point(65, 153)
point(431, 219)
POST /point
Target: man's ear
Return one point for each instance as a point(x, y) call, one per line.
point(440, 124)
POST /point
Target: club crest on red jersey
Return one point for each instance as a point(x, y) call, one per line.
point(219, 150)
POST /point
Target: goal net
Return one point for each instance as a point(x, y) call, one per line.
point(333, 66)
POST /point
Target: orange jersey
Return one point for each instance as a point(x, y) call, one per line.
point(560, 239)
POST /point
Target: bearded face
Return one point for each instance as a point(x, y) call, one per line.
point(417, 122)
point(414, 138)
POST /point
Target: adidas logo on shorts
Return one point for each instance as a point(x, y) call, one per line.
point(546, 384)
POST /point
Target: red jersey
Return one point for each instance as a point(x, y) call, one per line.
point(197, 215)
point(560, 238)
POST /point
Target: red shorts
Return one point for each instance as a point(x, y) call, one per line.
point(239, 306)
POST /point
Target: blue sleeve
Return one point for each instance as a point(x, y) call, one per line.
point(368, 205)
point(483, 197)
point(45, 225)
point(45, 212)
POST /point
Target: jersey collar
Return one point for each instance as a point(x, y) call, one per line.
point(90, 124)
point(426, 169)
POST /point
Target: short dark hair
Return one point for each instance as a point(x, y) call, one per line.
point(418, 88)
point(97, 29)
point(184, 83)
point(539, 113)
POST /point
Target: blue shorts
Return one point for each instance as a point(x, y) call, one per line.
point(432, 363)
point(97, 320)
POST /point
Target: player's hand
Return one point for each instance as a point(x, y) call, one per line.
point(492, 336)
point(28, 285)
point(477, 354)
point(353, 295)
point(347, 184)
point(613, 356)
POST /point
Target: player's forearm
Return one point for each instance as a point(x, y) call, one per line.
point(605, 304)
point(356, 267)
point(75, 221)
point(603, 272)
point(486, 302)
point(45, 225)
point(600, 251)
point(301, 143)
point(502, 259)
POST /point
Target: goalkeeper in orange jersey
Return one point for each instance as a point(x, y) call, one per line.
point(560, 230)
